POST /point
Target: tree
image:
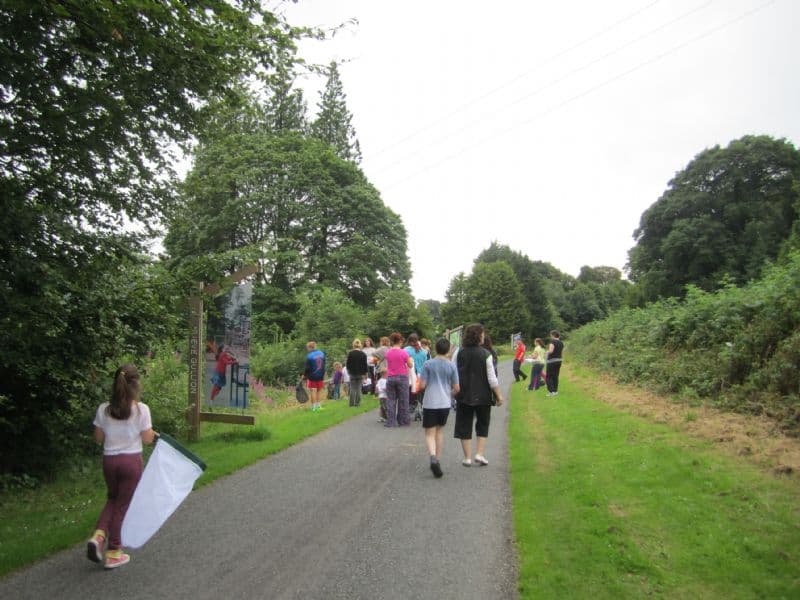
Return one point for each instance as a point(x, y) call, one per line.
point(495, 298)
point(395, 310)
point(285, 107)
point(726, 214)
point(539, 305)
point(455, 310)
point(311, 216)
point(334, 121)
point(92, 96)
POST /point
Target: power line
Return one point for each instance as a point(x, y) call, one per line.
point(553, 83)
point(601, 85)
point(517, 78)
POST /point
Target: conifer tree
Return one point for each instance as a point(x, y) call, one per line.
point(285, 108)
point(333, 124)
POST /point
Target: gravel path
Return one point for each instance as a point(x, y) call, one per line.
point(352, 513)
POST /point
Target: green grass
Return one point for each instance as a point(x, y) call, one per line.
point(60, 514)
point(607, 505)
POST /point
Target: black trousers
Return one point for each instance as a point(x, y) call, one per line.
point(552, 376)
point(517, 371)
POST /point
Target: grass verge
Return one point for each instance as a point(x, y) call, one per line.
point(608, 505)
point(60, 514)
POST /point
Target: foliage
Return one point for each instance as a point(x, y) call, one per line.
point(327, 315)
point(278, 363)
point(395, 310)
point(737, 347)
point(165, 389)
point(312, 216)
point(92, 97)
point(334, 121)
point(727, 213)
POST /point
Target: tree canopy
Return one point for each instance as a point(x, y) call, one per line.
point(723, 216)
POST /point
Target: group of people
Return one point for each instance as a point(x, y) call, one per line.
point(546, 363)
point(404, 372)
point(468, 377)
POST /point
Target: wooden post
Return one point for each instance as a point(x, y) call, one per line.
point(197, 363)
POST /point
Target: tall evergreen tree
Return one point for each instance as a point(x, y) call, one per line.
point(285, 108)
point(334, 122)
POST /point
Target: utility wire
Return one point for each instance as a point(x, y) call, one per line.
point(547, 86)
point(491, 92)
point(601, 85)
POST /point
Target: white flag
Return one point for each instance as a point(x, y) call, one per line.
point(167, 480)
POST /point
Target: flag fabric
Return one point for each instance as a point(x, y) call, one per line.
point(167, 480)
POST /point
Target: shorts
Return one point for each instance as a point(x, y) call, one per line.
point(466, 414)
point(315, 385)
point(218, 380)
point(434, 417)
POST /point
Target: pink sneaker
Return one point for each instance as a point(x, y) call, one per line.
point(116, 558)
point(96, 545)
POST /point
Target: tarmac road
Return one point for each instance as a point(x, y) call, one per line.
point(352, 513)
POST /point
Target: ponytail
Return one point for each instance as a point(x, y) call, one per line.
point(124, 392)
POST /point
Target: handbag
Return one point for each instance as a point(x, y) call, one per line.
point(300, 392)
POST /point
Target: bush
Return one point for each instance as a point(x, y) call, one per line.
point(738, 347)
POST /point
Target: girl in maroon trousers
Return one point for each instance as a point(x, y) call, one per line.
point(121, 425)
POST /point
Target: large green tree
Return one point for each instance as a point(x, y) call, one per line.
point(539, 306)
point(311, 216)
point(721, 218)
point(92, 96)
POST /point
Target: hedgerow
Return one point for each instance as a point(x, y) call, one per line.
point(737, 348)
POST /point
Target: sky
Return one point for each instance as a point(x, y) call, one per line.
point(549, 127)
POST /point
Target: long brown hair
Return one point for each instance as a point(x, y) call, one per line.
point(124, 392)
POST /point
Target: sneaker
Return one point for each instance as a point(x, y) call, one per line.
point(116, 558)
point(466, 462)
point(437, 469)
point(95, 546)
point(480, 459)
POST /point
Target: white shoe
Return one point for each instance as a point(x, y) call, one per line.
point(480, 459)
point(466, 462)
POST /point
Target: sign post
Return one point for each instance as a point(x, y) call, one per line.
point(197, 362)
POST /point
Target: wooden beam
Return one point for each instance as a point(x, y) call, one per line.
point(214, 288)
point(227, 418)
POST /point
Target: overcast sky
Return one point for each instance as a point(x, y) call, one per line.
point(548, 126)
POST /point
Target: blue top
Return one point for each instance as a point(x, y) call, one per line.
point(439, 375)
point(419, 356)
point(315, 365)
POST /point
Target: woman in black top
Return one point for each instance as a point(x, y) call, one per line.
point(479, 390)
point(357, 370)
point(554, 353)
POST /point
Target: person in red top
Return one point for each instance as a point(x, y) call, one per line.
point(224, 358)
point(519, 356)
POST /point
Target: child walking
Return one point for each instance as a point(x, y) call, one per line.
point(380, 389)
point(439, 379)
point(121, 425)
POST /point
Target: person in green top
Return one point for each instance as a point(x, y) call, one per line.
point(539, 359)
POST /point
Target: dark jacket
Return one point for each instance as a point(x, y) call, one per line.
point(356, 363)
point(472, 378)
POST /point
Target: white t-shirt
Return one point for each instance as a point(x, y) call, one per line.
point(380, 387)
point(123, 437)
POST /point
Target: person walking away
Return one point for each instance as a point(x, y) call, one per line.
point(539, 356)
point(380, 390)
point(224, 358)
point(357, 369)
point(418, 354)
point(479, 390)
point(555, 351)
point(519, 356)
point(439, 380)
point(336, 380)
point(314, 374)
point(369, 349)
point(122, 425)
point(398, 363)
